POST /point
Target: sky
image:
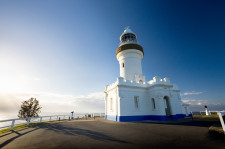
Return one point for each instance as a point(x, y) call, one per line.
point(62, 52)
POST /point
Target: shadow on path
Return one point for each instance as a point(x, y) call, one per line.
point(70, 130)
point(10, 132)
point(188, 123)
point(18, 135)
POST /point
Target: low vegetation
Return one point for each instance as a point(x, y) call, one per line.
point(20, 127)
point(212, 117)
point(216, 127)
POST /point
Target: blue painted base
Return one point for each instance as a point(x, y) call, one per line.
point(142, 117)
point(177, 116)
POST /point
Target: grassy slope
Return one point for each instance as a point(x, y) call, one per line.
point(20, 126)
point(213, 117)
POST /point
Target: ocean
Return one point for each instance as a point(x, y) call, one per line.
point(5, 117)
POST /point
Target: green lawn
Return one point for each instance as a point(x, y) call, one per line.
point(213, 117)
point(21, 126)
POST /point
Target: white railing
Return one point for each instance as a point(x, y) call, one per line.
point(222, 119)
point(18, 121)
point(89, 115)
point(29, 120)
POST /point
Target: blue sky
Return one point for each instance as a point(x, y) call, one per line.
point(63, 52)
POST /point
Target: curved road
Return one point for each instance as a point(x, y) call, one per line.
point(100, 133)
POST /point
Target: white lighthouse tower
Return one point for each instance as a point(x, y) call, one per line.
point(131, 98)
point(130, 54)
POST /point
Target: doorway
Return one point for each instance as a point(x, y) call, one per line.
point(167, 106)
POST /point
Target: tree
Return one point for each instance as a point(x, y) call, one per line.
point(29, 108)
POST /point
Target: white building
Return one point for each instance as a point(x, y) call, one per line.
point(131, 98)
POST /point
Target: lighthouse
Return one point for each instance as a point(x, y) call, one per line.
point(131, 97)
point(130, 54)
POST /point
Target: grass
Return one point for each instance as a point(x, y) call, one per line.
point(216, 129)
point(209, 118)
point(25, 125)
point(22, 126)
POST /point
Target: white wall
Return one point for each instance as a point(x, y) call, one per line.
point(127, 101)
point(176, 103)
point(124, 105)
point(112, 94)
point(132, 63)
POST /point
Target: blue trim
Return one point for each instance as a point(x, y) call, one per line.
point(136, 118)
point(177, 116)
point(142, 117)
point(174, 117)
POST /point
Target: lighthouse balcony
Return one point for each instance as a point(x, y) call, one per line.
point(128, 42)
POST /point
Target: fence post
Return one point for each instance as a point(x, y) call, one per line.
point(40, 119)
point(13, 122)
point(50, 118)
point(221, 114)
point(28, 121)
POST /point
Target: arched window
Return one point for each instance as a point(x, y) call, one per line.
point(153, 103)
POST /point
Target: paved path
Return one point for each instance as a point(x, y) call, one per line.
point(100, 133)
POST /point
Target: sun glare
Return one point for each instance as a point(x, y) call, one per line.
point(12, 84)
point(13, 78)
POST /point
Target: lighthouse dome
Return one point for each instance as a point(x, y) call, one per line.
point(128, 40)
point(128, 36)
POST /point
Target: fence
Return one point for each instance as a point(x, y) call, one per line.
point(222, 119)
point(203, 112)
point(28, 120)
point(11, 123)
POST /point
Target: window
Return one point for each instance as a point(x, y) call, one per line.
point(128, 37)
point(111, 103)
point(123, 65)
point(153, 103)
point(136, 102)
